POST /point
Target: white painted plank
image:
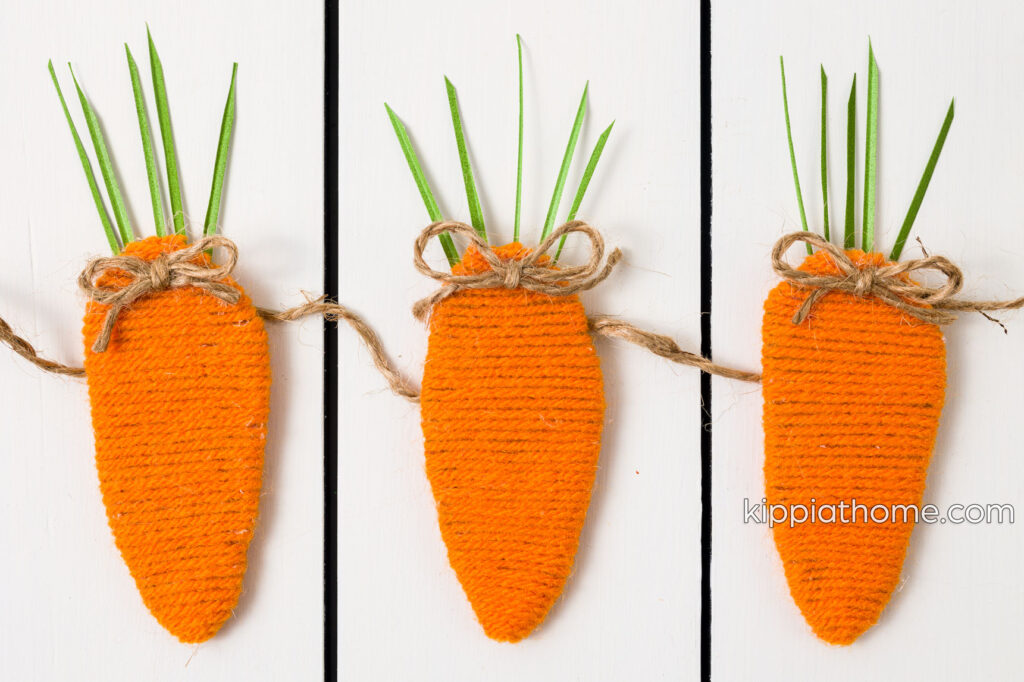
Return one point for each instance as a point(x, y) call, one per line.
point(957, 612)
point(70, 610)
point(631, 609)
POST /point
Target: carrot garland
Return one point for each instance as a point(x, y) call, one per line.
point(179, 383)
point(512, 406)
point(853, 391)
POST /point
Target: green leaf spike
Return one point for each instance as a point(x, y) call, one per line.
point(152, 173)
point(105, 164)
point(475, 213)
point(563, 172)
point(164, 116)
point(867, 240)
point(792, 153)
point(519, 157)
point(422, 185)
point(595, 156)
point(922, 186)
point(220, 165)
point(850, 234)
point(108, 227)
point(824, 149)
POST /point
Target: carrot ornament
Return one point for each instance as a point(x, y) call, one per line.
point(854, 375)
point(179, 382)
point(512, 397)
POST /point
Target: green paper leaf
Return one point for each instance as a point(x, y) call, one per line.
point(922, 186)
point(867, 240)
point(108, 227)
point(519, 158)
point(595, 156)
point(220, 165)
point(152, 173)
point(164, 116)
point(792, 153)
point(563, 172)
point(824, 148)
point(422, 185)
point(849, 237)
point(475, 213)
point(105, 164)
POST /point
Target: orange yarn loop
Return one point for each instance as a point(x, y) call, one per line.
point(852, 399)
point(180, 402)
point(512, 412)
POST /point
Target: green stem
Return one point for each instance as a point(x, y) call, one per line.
point(792, 152)
point(563, 172)
point(152, 174)
point(105, 164)
point(475, 213)
point(108, 227)
point(164, 116)
point(220, 165)
point(867, 240)
point(422, 185)
point(922, 186)
point(849, 237)
point(824, 148)
point(519, 158)
point(595, 156)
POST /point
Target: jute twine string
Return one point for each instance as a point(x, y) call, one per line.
point(169, 271)
point(176, 270)
point(935, 305)
point(334, 312)
point(530, 272)
point(533, 273)
point(888, 283)
point(27, 351)
point(663, 346)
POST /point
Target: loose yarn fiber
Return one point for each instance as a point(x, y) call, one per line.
point(512, 410)
point(852, 399)
point(180, 401)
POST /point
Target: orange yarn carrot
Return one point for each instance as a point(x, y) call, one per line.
point(512, 410)
point(512, 402)
point(180, 401)
point(852, 398)
point(853, 389)
point(179, 383)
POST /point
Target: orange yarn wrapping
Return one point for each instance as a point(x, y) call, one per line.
point(180, 402)
point(852, 399)
point(512, 409)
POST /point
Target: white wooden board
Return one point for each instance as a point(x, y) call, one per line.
point(69, 608)
point(631, 608)
point(956, 615)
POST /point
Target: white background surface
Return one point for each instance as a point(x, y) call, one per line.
point(68, 608)
point(957, 612)
point(631, 608)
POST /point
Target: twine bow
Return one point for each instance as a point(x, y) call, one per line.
point(888, 283)
point(528, 273)
point(168, 271)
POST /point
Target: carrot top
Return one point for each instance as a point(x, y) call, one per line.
point(472, 195)
point(867, 240)
point(125, 233)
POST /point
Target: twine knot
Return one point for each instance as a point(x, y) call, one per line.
point(530, 272)
point(513, 274)
point(864, 282)
point(173, 270)
point(159, 273)
point(889, 283)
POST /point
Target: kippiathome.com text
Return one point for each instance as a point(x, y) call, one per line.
point(852, 511)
